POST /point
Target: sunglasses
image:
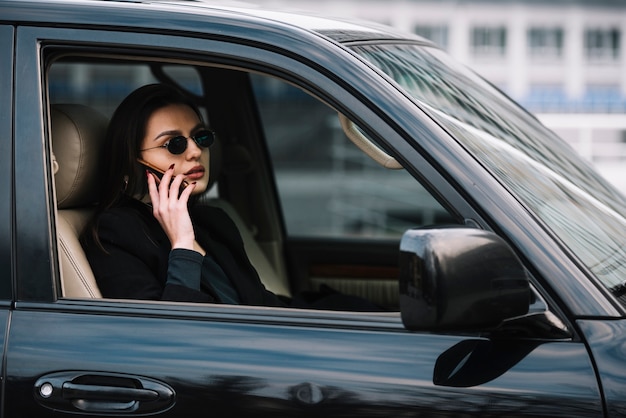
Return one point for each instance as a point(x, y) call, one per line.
point(177, 145)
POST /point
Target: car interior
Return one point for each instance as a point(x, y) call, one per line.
point(316, 202)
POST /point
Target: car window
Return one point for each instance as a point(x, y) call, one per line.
point(327, 186)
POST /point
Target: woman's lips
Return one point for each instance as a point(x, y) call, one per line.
point(195, 173)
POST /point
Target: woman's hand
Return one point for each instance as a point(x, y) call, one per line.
point(169, 207)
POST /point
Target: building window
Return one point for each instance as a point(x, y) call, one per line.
point(489, 41)
point(545, 43)
point(546, 98)
point(436, 33)
point(602, 44)
point(603, 98)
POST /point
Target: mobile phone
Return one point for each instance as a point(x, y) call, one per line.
point(159, 173)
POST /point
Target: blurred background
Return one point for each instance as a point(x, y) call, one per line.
point(564, 60)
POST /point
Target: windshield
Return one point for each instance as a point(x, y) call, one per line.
point(541, 170)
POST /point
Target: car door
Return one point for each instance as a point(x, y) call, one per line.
point(101, 357)
point(344, 216)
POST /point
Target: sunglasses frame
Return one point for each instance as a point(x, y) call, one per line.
point(178, 138)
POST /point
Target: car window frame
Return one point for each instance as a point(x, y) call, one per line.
point(35, 253)
point(247, 57)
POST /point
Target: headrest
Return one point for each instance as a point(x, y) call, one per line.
point(77, 137)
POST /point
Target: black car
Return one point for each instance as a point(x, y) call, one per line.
point(353, 159)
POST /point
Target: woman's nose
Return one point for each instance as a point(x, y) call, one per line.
point(193, 150)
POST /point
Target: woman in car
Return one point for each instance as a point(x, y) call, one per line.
point(147, 240)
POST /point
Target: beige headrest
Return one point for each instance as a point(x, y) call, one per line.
point(77, 137)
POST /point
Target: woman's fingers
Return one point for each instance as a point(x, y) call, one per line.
point(168, 192)
point(165, 184)
point(169, 207)
point(187, 191)
point(152, 186)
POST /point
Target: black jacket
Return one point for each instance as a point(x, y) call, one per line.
point(134, 264)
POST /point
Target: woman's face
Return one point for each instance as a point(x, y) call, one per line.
point(167, 123)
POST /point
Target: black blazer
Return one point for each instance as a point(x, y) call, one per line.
point(135, 261)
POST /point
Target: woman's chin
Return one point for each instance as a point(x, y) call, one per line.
point(199, 188)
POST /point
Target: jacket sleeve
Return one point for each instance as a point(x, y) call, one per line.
point(135, 263)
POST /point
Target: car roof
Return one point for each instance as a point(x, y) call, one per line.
point(187, 15)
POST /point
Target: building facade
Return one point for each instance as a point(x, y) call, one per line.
point(564, 60)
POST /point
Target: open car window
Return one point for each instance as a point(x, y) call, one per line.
point(295, 149)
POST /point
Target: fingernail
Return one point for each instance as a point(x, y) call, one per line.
point(171, 167)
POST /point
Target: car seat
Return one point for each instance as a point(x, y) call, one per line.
point(77, 136)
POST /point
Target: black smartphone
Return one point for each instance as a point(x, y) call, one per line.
point(159, 173)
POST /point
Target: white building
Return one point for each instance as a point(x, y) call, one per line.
point(564, 60)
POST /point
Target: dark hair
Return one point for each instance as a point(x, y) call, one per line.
point(123, 175)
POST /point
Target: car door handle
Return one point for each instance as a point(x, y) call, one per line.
point(112, 393)
point(75, 391)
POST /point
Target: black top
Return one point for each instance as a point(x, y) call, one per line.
point(138, 262)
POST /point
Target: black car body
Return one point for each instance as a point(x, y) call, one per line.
point(504, 298)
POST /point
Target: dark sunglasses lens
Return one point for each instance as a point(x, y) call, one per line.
point(177, 145)
point(204, 138)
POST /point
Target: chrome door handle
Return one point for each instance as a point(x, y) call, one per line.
point(76, 391)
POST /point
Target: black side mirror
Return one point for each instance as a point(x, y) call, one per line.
point(459, 279)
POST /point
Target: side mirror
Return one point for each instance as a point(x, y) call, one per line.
point(459, 279)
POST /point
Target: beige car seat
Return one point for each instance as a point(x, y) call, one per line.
point(77, 137)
